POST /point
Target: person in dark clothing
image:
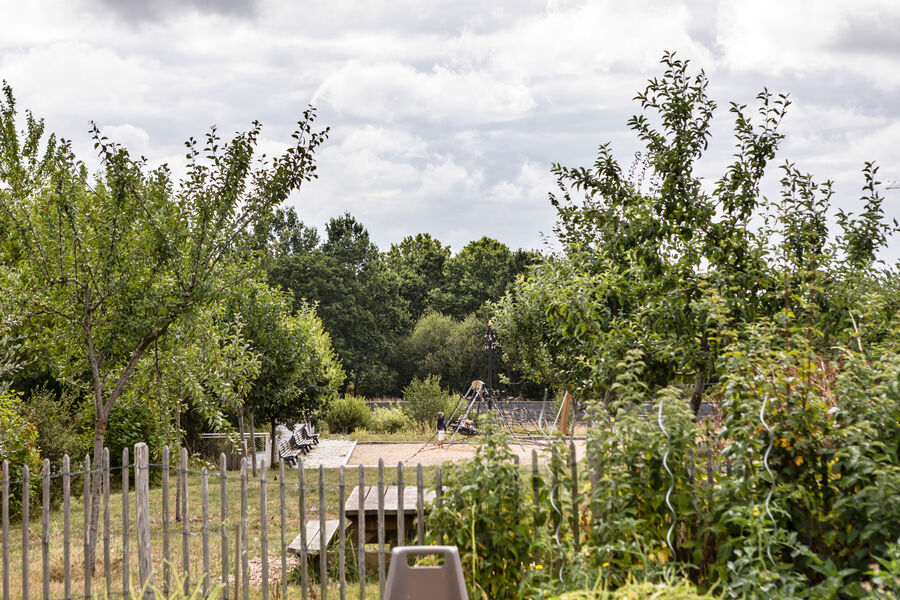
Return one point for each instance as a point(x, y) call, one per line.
point(441, 429)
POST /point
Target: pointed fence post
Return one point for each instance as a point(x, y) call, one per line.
point(142, 504)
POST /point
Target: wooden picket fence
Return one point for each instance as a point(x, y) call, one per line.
point(145, 535)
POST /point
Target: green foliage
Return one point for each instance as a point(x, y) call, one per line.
point(133, 421)
point(348, 413)
point(298, 371)
point(641, 591)
point(425, 398)
point(479, 273)
point(483, 514)
point(452, 350)
point(356, 298)
point(390, 420)
point(62, 428)
point(418, 262)
point(18, 445)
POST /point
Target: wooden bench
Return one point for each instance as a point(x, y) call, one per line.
point(288, 454)
point(314, 540)
point(303, 435)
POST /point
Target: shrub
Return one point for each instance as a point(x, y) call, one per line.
point(390, 420)
point(424, 399)
point(348, 413)
point(18, 445)
point(482, 513)
point(59, 426)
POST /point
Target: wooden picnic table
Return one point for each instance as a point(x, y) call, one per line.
point(391, 508)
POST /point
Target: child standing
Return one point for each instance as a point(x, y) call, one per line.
point(441, 429)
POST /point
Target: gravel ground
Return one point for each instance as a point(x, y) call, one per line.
point(368, 453)
point(331, 454)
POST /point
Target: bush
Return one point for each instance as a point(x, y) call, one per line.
point(59, 425)
point(18, 445)
point(348, 413)
point(131, 421)
point(390, 420)
point(424, 399)
point(482, 513)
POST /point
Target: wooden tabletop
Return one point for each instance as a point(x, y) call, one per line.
point(391, 500)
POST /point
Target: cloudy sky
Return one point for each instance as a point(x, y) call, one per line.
point(447, 116)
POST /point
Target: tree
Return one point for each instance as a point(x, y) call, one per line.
point(418, 261)
point(298, 371)
point(102, 267)
point(479, 273)
point(357, 299)
point(452, 350)
point(657, 267)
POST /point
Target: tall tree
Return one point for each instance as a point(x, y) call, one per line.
point(357, 299)
point(298, 371)
point(418, 261)
point(103, 267)
point(481, 272)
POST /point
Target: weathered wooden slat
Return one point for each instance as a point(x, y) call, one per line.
point(245, 555)
point(439, 500)
point(420, 505)
point(304, 569)
point(381, 560)
point(204, 499)
point(26, 528)
point(595, 475)
point(67, 527)
point(253, 444)
point(185, 526)
point(264, 529)
point(401, 492)
point(535, 488)
point(126, 517)
point(5, 519)
point(576, 531)
point(342, 567)
point(223, 518)
point(281, 490)
point(86, 500)
point(313, 537)
point(361, 551)
point(107, 572)
point(167, 559)
point(45, 530)
point(142, 505)
point(323, 554)
point(237, 557)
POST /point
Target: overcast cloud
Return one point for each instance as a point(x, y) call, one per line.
point(447, 116)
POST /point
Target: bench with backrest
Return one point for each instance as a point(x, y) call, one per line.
point(304, 433)
point(288, 454)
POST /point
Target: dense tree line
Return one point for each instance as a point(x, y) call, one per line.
point(414, 310)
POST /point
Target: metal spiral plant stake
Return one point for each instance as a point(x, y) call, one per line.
point(659, 420)
point(762, 411)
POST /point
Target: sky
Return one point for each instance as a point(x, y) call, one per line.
point(446, 117)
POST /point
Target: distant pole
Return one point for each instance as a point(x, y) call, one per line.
point(490, 341)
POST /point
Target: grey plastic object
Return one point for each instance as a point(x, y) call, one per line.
point(441, 582)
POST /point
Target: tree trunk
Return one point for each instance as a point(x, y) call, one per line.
point(274, 453)
point(242, 445)
point(252, 444)
point(697, 394)
point(96, 489)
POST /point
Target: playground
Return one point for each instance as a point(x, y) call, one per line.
point(368, 453)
